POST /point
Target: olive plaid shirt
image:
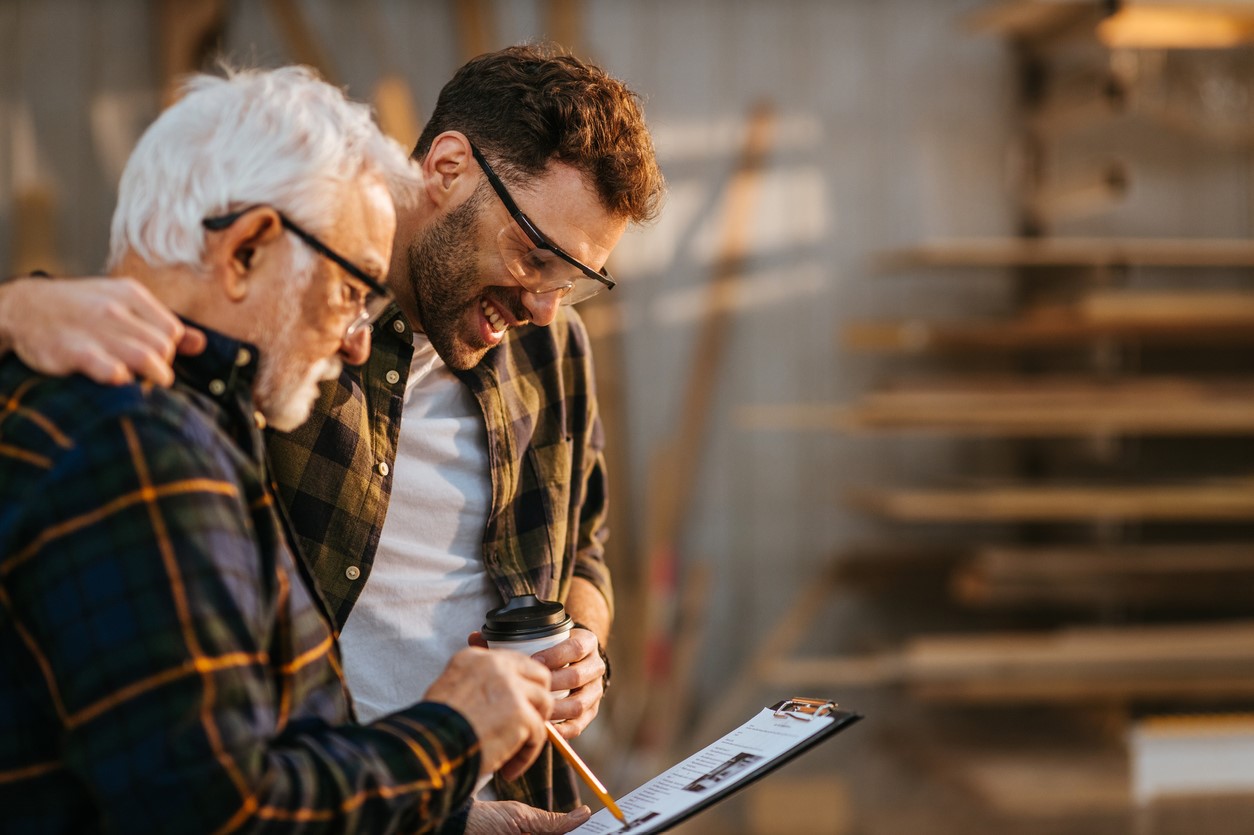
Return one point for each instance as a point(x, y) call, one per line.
point(547, 523)
point(165, 664)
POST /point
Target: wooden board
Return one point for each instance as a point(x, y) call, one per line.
point(1161, 576)
point(1216, 501)
point(1028, 407)
point(1075, 252)
point(1050, 331)
point(1030, 19)
point(1079, 664)
point(1202, 309)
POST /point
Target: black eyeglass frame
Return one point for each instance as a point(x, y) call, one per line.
point(222, 222)
point(537, 237)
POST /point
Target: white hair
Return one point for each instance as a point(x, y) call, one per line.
point(280, 137)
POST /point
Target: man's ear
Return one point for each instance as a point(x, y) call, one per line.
point(234, 252)
point(448, 170)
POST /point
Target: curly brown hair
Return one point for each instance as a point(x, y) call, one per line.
point(528, 106)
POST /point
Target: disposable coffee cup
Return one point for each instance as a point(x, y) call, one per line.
point(527, 624)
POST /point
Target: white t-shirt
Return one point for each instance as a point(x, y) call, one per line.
point(428, 588)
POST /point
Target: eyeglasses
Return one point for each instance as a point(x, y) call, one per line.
point(542, 267)
point(371, 303)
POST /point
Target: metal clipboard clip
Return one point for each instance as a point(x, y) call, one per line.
point(805, 710)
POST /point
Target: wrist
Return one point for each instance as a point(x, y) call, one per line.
point(8, 285)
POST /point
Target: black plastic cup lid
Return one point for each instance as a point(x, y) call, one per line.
point(524, 617)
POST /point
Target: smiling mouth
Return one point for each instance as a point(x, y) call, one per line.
point(493, 315)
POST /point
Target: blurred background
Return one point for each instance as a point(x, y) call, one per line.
point(929, 392)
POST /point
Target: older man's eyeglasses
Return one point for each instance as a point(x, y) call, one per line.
point(370, 301)
point(538, 264)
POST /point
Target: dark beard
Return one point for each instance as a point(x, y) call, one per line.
point(443, 271)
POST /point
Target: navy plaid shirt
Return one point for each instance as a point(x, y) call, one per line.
point(165, 664)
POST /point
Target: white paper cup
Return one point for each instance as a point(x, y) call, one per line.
point(528, 625)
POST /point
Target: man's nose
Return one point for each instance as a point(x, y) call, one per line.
point(355, 348)
point(542, 307)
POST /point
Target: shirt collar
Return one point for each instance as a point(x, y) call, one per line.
point(224, 371)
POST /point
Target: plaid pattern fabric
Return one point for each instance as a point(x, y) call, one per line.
point(547, 524)
point(166, 667)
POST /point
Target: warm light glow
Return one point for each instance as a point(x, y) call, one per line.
point(1176, 27)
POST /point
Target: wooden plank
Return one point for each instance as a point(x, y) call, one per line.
point(1029, 19)
point(1144, 308)
point(1162, 576)
point(1218, 501)
point(476, 32)
point(1080, 664)
point(189, 32)
point(35, 230)
point(564, 23)
point(1033, 333)
point(1029, 407)
point(1074, 252)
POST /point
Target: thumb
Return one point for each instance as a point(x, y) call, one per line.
point(550, 823)
point(476, 639)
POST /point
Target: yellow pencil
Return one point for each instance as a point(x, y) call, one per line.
point(586, 773)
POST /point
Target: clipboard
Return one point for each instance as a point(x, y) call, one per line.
point(774, 736)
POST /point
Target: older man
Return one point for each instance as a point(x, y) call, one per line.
point(169, 665)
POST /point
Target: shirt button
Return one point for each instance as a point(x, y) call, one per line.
point(392, 377)
point(398, 326)
point(216, 387)
point(383, 468)
point(352, 572)
point(243, 357)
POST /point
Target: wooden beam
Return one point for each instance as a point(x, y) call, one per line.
point(1032, 20)
point(564, 23)
point(1079, 664)
point(1036, 333)
point(35, 230)
point(1217, 501)
point(1162, 576)
point(189, 32)
point(1075, 252)
point(1145, 308)
point(1031, 407)
point(476, 31)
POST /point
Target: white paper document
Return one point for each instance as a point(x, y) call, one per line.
point(761, 744)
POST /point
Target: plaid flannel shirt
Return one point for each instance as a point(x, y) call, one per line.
point(547, 523)
point(166, 666)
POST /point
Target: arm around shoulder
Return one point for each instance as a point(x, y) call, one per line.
point(108, 329)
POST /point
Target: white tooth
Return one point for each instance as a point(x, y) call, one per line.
point(493, 317)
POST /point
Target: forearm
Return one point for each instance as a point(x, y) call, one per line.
point(588, 607)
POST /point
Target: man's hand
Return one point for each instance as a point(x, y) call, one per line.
point(513, 818)
point(576, 666)
point(109, 329)
point(505, 697)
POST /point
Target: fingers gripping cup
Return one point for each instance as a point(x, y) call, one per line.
point(527, 624)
